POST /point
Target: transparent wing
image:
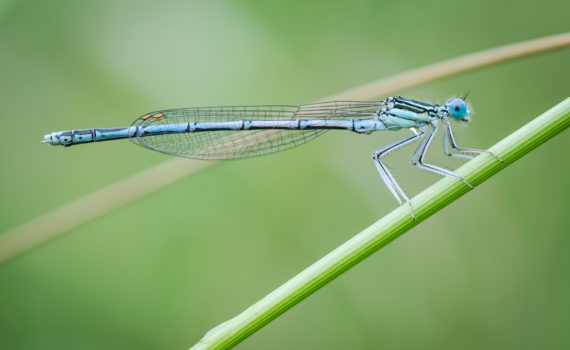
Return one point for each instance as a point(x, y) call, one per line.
point(232, 144)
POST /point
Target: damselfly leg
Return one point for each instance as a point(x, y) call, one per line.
point(385, 174)
point(449, 139)
point(448, 152)
point(418, 158)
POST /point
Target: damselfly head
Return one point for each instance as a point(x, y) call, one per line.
point(457, 109)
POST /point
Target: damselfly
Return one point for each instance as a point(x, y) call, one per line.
point(240, 132)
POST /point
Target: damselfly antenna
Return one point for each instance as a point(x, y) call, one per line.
point(465, 95)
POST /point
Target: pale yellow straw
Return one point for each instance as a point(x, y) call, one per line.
point(37, 231)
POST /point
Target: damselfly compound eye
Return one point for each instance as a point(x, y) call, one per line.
point(458, 109)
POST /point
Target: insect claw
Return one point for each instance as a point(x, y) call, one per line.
point(412, 210)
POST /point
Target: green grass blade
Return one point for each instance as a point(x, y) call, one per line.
point(387, 229)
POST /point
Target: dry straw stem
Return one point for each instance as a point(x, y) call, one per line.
point(387, 229)
point(35, 232)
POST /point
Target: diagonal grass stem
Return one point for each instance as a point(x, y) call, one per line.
point(387, 229)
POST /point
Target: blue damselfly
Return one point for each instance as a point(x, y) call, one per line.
point(240, 132)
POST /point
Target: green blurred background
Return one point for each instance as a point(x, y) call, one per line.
point(489, 271)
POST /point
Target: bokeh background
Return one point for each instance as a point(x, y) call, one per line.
point(489, 271)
